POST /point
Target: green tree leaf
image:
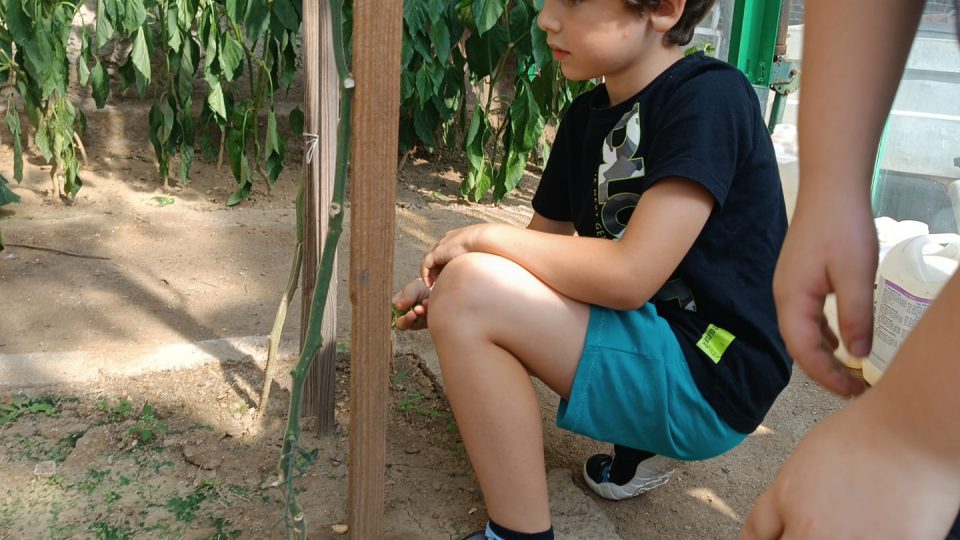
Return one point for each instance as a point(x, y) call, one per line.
point(273, 148)
point(6, 195)
point(541, 51)
point(104, 26)
point(133, 15)
point(296, 121)
point(484, 52)
point(440, 36)
point(100, 84)
point(13, 124)
point(257, 19)
point(215, 100)
point(141, 55)
point(486, 14)
point(231, 57)
point(285, 12)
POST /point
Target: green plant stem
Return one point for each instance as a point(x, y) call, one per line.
point(275, 333)
point(293, 512)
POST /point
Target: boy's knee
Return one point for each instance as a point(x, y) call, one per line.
point(467, 286)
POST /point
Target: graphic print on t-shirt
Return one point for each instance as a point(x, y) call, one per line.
point(620, 162)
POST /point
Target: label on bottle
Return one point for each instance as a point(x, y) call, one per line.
point(896, 314)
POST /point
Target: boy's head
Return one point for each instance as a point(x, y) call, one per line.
point(693, 12)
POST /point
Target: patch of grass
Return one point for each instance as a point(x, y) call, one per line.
point(13, 407)
point(185, 508)
point(412, 402)
point(105, 531)
point(221, 532)
point(93, 479)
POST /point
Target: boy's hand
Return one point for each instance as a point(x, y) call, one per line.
point(454, 244)
point(410, 306)
point(831, 246)
point(853, 476)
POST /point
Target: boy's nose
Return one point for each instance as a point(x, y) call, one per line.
point(547, 19)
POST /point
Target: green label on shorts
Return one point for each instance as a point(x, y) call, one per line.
point(715, 342)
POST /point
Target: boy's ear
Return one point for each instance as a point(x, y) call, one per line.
point(666, 14)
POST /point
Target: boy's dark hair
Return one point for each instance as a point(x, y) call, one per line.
point(682, 32)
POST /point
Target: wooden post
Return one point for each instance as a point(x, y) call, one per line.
point(377, 29)
point(321, 94)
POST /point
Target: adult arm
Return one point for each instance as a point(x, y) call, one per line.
point(887, 466)
point(854, 53)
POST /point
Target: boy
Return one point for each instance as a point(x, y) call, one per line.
point(663, 341)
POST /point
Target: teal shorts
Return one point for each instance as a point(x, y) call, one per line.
point(633, 387)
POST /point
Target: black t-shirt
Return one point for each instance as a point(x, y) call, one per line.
point(699, 120)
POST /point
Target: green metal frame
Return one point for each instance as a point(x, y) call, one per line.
point(753, 38)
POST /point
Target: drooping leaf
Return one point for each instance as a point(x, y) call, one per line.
point(6, 195)
point(285, 12)
point(133, 15)
point(486, 14)
point(13, 124)
point(257, 19)
point(100, 84)
point(104, 26)
point(273, 148)
point(296, 121)
point(425, 123)
point(20, 25)
point(440, 35)
point(140, 55)
point(541, 51)
point(231, 57)
point(484, 52)
point(215, 100)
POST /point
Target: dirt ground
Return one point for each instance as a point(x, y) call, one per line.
point(178, 454)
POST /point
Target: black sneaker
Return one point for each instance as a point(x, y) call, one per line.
point(614, 481)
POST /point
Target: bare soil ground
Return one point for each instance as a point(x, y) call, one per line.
point(195, 464)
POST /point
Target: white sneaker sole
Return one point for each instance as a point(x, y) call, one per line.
point(649, 476)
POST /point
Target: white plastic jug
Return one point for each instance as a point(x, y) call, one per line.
point(784, 139)
point(890, 232)
point(910, 277)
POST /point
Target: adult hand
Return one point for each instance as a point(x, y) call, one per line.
point(852, 476)
point(454, 244)
point(831, 246)
point(410, 305)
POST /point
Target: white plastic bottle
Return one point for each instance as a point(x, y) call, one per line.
point(889, 233)
point(910, 277)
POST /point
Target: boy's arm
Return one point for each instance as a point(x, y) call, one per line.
point(552, 226)
point(620, 274)
point(831, 244)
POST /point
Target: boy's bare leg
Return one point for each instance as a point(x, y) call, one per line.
point(493, 324)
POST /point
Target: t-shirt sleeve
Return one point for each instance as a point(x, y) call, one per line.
point(552, 199)
point(707, 128)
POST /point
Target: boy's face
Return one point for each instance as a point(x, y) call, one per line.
point(594, 38)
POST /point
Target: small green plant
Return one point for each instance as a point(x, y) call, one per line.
point(223, 530)
point(105, 531)
point(93, 480)
point(148, 428)
point(19, 405)
point(185, 508)
point(118, 413)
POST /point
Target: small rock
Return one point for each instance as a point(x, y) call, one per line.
point(339, 528)
point(45, 469)
point(10, 256)
point(472, 510)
